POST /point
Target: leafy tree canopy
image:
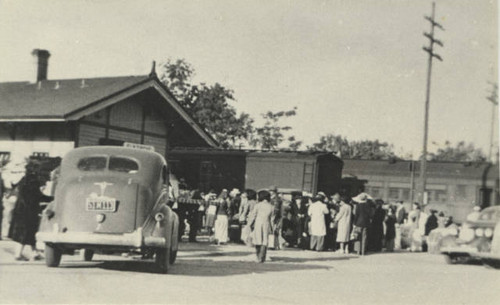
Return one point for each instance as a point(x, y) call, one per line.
point(208, 104)
point(460, 152)
point(365, 149)
point(272, 136)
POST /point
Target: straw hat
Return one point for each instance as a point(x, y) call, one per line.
point(362, 198)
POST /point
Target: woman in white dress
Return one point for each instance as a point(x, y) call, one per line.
point(344, 226)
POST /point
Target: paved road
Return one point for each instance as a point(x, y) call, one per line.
point(209, 274)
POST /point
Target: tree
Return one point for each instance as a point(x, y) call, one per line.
point(365, 149)
point(207, 104)
point(460, 152)
point(271, 135)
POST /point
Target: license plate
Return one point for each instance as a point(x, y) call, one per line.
point(101, 204)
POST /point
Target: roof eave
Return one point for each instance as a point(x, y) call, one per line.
point(32, 119)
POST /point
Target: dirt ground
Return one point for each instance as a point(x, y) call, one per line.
point(210, 274)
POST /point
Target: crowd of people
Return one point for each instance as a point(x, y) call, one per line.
point(265, 219)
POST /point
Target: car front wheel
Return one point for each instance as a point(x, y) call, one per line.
point(88, 255)
point(162, 259)
point(52, 255)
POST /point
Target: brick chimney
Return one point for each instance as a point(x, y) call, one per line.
point(41, 58)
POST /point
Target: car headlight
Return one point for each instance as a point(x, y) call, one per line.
point(479, 232)
point(488, 232)
point(466, 234)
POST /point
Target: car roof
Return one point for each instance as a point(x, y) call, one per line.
point(147, 159)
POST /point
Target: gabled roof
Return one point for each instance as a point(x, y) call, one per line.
point(55, 99)
point(71, 99)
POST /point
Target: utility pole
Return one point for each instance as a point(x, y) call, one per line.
point(430, 51)
point(493, 98)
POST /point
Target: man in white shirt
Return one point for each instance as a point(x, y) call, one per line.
point(317, 211)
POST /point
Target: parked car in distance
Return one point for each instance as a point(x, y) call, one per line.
point(475, 237)
point(111, 199)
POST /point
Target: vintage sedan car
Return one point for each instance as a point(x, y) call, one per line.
point(111, 199)
point(492, 258)
point(475, 237)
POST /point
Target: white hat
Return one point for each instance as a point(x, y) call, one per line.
point(362, 198)
point(235, 192)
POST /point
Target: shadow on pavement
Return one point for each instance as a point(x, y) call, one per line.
point(228, 268)
point(221, 254)
point(303, 260)
point(198, 267)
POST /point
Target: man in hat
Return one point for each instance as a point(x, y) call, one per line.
point(234, 208)
point(362, 219)
point(317, 211)
point(277, 214)
point(1, 203)
point(400, 221)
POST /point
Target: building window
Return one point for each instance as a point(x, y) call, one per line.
point(393, 193)
point(375, 192)
point(438, 195)
point(406, 194)
point(460, 191)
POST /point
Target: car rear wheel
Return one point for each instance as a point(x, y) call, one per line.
point(454, 258)
point(52, 255)
point(88, 255)
point(173, 256)
point(162, 259)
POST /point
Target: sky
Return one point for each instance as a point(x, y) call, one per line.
point(352, 68)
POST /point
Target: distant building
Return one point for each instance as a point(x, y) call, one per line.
point(208, 168)
point(49, 117)
point(454, 187)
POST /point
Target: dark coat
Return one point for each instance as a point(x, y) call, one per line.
point(390, 224)
point(431, 224)
point(363, 215)
point(25, 219)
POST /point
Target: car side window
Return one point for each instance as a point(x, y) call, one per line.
point(90, 164)
point(124, 165)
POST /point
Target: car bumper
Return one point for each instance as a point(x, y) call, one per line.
point(133, 240)
point(489, 256)
point(459, 249)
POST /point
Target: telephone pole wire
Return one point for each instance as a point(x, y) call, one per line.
point(430, 51)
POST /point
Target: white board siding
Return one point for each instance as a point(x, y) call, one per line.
point(155, 123)
point(89, 135)
point(124, 136)
point(160, 144)
point(126, 114)
point(261, 173)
